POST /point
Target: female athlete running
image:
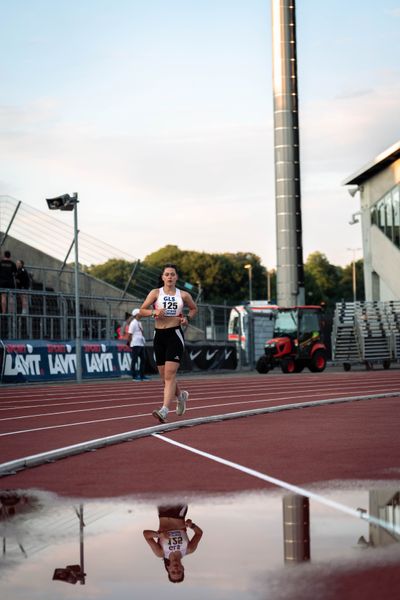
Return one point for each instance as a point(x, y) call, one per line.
point(166, 304)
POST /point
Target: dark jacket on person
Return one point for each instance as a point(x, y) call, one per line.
point(8, 269)
point(22, 279)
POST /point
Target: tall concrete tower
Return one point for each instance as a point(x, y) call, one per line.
point(290, 269)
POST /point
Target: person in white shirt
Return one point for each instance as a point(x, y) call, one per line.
point(171, 542)
point(136, 341)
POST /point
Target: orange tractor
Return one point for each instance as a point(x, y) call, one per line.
point(297, 341)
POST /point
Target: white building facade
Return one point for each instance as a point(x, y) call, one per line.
point(378, 183)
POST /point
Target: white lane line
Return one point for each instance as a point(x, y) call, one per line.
point(50, 455)
point(345, 388)
point(196, 385)
point(219, 405)
point(76, 398)
point(284, 484)
point(78, 410)
point(73, 424)
point(152, 401)
point(305, 389)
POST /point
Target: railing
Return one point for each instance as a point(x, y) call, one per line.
point(36, 314)
point(62, 279)
point(367, 332)
point(344, 343)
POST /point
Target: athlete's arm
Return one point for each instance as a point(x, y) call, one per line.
point(149, 536)
point(198, 533)
point(146, 311)
point(190, 303)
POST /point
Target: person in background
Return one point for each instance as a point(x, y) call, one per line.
point(166, 304)
point(22, 282)
point(137, 341)
point(8, 270)
point(171, 541)
point(123, 329)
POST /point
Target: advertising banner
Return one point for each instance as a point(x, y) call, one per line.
point(41, 360)
point(209, 357)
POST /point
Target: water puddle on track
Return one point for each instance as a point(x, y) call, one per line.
point(264, 545)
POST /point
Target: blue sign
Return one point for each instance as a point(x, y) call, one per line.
point(41, 360)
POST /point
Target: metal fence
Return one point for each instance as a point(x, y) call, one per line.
point(62, 280)
point(366, 332)
point(36, 314)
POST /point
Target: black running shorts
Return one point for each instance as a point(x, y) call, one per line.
point(174, 511)
point(169, 345)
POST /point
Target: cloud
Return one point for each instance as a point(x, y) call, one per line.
point(343, 134)
point(229, 163)
point(22, 118)
point(354, 94)
point(200, 188)
point(393, 12)
point(208, 188)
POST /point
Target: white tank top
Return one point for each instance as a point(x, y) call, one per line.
point(172, 304)
point(177, 541)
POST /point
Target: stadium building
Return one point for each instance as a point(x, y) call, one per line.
point(378, 184)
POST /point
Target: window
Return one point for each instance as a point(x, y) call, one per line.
point(309, 325)
point(385, 214)
point(396, 216)
point(286, 324)
point(374, 215)
point(389, 216)
point(381, 215)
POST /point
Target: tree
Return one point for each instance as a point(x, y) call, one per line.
point(346, 283)
point(328, 283)
point(224, 280)
point(222, 277)
point(115, 271)
point(322, 280)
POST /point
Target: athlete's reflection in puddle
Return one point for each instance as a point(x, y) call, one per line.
point(171, 541)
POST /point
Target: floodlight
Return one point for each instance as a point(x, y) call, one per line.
point(64, 202)
point(353, 191)
point(354, 219)
point(67, 202)
point(71, 574)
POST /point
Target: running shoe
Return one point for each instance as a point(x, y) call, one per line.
point(157, 414)
point(181, 403)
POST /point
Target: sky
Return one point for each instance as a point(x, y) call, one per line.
point(159, 114)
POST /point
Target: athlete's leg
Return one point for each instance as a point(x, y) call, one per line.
point(170, 386)
point(172, 347)
point(161, 369)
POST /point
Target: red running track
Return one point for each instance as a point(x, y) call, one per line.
point(357, 440)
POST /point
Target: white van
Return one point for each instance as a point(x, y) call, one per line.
point(238, 325)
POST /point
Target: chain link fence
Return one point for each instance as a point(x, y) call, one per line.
point(37, 314)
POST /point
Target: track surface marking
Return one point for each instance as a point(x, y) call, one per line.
point(341, 441)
